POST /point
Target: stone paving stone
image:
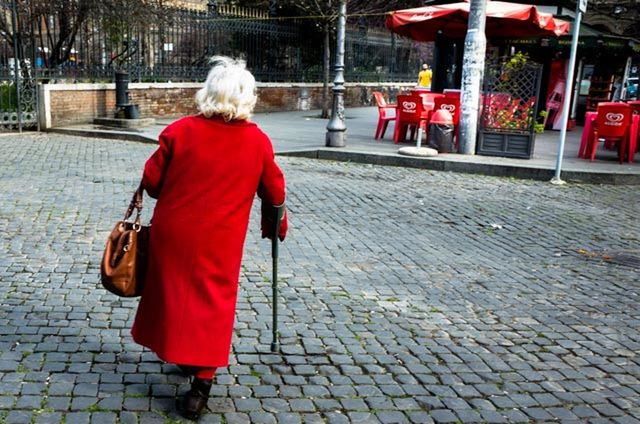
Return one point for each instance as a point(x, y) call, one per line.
point(468, 415)
point(516, 416)
point(562, 413)
point(49, 418)
point(302, 405)
point(362, 417)
point(492, 417)
point(236, 418)
point(626, 420)
point(221, 405)
point(127, 417)
point(324, 405)
point(336, 418)
point(18, 417)
point(239, 391)
point(392, 417)
point(262, 418)
point(275, 405)
point(7, 402)
point(443, 416)
point(103, 418)
point(247, 405)
point(608, 410)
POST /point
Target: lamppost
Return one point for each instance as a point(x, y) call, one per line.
point(336, 128)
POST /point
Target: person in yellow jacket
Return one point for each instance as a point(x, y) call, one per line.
point(424, 77)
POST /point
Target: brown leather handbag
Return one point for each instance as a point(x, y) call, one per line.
point(124, 263)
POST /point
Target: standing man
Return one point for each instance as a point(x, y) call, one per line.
point(424, 77)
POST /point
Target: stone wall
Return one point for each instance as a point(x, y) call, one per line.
point(69, 104)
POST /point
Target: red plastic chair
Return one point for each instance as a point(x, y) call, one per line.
point(410, 113)
point(452, 92)
point(587, 134)
point(612, 124)
point(386, 112)
point(635, 106)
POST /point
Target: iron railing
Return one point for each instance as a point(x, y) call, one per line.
point(172, 44)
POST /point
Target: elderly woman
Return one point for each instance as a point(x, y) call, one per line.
point(205, 175)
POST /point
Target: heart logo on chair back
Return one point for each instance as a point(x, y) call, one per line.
point(409, 106)
point(614, 118)
point(448, 108)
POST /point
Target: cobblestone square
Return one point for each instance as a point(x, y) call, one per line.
point(407, 296)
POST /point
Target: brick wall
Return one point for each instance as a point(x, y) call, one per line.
point(70, 104)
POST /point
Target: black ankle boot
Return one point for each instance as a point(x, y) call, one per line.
point(195, 399)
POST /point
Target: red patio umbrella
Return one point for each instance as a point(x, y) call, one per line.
point(504, 20)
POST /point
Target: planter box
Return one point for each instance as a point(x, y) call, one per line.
point(510, 145)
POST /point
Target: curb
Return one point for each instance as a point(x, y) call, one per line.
point(112, 135)
point(538, 174)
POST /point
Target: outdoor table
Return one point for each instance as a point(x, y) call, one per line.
point(428, 98)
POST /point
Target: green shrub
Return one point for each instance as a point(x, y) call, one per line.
point(8, 97)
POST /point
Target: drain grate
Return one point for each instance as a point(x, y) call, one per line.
point(630, 258)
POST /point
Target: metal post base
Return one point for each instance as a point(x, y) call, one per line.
point(557, 181)
point(275, 347)
point(336, 139)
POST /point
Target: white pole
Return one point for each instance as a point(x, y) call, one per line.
point(581, 6)
point(475, 46)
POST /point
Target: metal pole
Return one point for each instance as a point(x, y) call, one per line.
point(336, 128)
point(275, 346)
point(475, 44)
point(567, 90)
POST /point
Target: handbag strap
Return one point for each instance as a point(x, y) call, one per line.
point(136, 203)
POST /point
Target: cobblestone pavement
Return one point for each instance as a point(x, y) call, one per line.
point(407, 296)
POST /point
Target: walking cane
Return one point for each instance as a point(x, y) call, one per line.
point(275, 346)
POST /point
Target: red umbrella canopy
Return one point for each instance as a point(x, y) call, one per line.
point(504, 20)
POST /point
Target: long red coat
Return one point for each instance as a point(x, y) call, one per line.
point(205, 175)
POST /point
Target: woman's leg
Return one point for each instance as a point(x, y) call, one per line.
point(196, 398)
point(204, 373)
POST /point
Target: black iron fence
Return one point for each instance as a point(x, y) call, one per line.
point(18, 75)
point(173, 44)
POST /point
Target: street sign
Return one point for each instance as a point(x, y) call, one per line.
point(583, 6)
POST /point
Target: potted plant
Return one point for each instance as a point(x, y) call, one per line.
point(510, 100)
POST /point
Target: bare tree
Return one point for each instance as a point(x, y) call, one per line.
point(43, 16)
point(326, 12)
point(56, 24)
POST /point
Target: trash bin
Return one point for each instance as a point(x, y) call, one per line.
point(441, 131)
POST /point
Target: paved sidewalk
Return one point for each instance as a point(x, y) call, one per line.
point(302, 133)
point(407, 296)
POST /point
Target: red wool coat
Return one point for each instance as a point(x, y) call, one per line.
point(205, 175)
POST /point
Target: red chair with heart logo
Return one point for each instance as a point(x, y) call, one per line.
point(386, 112)
point(613, 124)
point(411, 113)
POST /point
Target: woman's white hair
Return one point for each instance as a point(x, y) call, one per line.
point(230, 90)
